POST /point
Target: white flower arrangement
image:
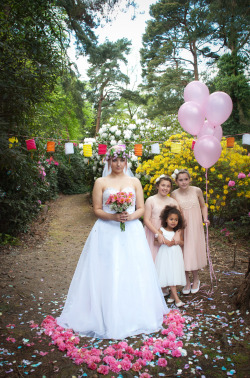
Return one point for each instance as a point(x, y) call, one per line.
point(118, 133)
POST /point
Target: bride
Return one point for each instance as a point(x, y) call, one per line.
point(115, 292)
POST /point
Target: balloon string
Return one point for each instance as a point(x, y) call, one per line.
point(211, 269)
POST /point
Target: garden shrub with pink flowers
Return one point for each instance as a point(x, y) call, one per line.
point(228, 193)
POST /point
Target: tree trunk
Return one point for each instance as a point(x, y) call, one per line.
point(242, 299)
point(99, 112)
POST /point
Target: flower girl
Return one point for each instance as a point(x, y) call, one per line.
point(169, 260)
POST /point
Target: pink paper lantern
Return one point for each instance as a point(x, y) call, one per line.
point(31, 144)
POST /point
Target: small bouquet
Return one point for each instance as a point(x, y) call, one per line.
point(120, 202)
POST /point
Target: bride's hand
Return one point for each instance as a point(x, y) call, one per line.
point(122, 217)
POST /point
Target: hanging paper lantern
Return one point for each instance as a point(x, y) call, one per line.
point(138, 149)
point(155, 148)
point(193, 144)
point(87, 150)
point(246, 139)
point(230, 142)
point(31, 144)
point(175, 148)
point(69, 148)
point(12, 141)
point(102, 149)
point(51, 146)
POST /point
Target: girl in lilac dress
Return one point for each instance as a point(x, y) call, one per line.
point(193, 208)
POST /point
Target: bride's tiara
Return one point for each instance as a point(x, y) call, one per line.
point(117, 151)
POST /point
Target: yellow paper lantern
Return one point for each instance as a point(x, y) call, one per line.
point(175, 148)
point(12, 140)
point(87, 150)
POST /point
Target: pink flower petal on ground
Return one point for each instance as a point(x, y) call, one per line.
point(11, 339)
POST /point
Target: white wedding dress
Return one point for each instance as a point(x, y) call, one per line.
point(115, 291)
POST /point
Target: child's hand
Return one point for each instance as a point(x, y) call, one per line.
point(169, 243)
point(161, 239)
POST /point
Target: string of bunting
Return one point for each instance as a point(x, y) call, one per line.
point(175, 146)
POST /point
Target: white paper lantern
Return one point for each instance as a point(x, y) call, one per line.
point(246, 139)
point(155, 148)
point(69, 148)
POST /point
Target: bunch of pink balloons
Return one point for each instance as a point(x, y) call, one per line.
point(202, 114)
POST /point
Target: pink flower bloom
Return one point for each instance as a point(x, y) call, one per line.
point(43, 353)
point(197, 352)
point(145, 375)
point(125, 364)
point(136, 366)
point(248, 174)
point(110, 351)
point(11, 339)
point(92, 366)
point(241, 175)
point(123, 344)
point(103, 369)
point(162, 362)
point(115, 367)
point(176, 353)
point(231, 183)
point(119, 354)
point(147, 355)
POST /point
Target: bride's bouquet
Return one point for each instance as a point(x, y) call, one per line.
point(120, 202)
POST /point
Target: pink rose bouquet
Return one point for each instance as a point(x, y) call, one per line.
point(120, 202)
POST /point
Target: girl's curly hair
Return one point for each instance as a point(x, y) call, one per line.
point(166, 212)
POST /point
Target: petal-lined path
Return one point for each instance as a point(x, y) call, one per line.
point(35, 277)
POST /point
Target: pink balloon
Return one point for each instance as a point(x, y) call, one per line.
point(197, 92)
point(191, 117)
point(206, 129)
point(207, 150)
point(218, 108)
point(218, 132)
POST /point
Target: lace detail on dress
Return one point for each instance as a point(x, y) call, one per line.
point(189, 202)
point(109, 191)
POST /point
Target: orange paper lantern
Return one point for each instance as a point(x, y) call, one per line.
point(138, 149)
point(230, 142)
point(51, 146)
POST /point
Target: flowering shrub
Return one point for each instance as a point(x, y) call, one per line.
point(228, 180)
point(129, 133)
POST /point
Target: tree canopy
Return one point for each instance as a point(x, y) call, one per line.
point(106, 77)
